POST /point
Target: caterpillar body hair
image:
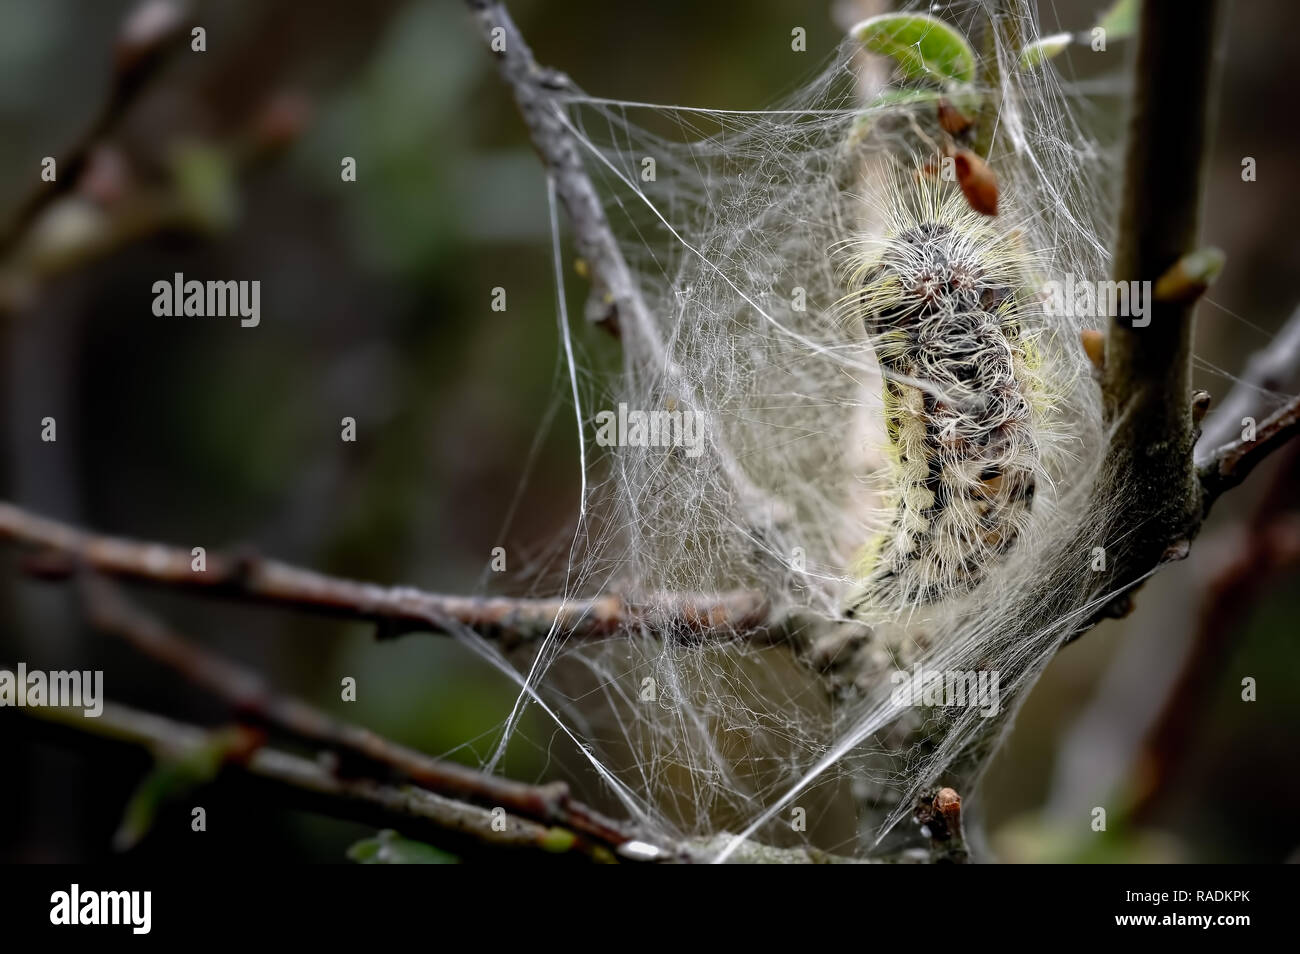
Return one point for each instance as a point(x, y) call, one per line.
point(943, 296)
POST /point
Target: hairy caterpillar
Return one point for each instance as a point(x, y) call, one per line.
point(942, 298)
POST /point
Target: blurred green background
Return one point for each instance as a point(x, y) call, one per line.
point(375, 305)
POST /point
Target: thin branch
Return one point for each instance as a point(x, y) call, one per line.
point(147, 35)
point(301, 782)
point(1271, 369)
point(397, 610)
point(1232, 463)
point(614, 295)
point(616, 301)
point(146, 211)
point(251, 697)
point(1224, 467)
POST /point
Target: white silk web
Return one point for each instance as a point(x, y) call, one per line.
point(735, 222)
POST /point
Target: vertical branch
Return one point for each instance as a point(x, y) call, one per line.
point(1146, 379)
point(616, 301)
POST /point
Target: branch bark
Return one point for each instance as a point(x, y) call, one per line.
point(62, 549)
point(367, 751)
point(301, 782)
point(616, 300)
point(1232, 463)
point(1146, 376)
point(614, 296)
point(1271, 369)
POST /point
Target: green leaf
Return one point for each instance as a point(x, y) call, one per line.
point(1040, 51)
point(170, 780)
point(390, 848)
point(924, 46)
point(558, 840)
point(1120, 20)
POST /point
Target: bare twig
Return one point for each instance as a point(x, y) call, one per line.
point(1232, 463)
point(1146, 365)
point(417, 813)
point(147, 35)
point(614, 294)
point(466, 830)
point(396, 609)
point(616, 300)
point(1270, 370)
point(143, 213)
point(252, 698)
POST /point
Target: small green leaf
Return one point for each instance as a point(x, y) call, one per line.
point(923, 45)
point(1120, 20)
point(1040, 51)
point(390, 848)
point(558, 840)
point(171, 779)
